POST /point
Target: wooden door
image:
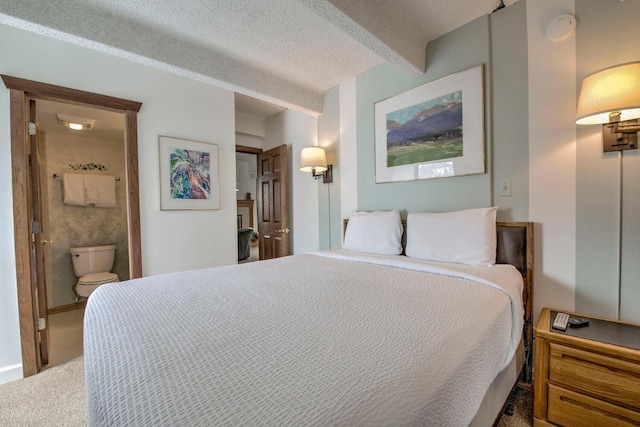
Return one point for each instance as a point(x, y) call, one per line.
point(37, 241)
point(273, 213)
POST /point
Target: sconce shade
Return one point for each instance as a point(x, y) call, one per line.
point(610, 90)
point(313, 159)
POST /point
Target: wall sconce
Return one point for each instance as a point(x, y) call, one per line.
point(314, 160)
point(611, 97)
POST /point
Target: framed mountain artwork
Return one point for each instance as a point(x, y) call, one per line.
point(432, 131)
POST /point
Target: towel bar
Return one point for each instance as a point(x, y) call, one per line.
point(56, 176)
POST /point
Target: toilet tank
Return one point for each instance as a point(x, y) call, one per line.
point(92, 259)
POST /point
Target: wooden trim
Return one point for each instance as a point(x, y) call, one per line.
point(133, 193)
point(22, 239)
point(248, 150)
point(542, 369)
point(67, 307)
point(47, 91)
point(37, 274)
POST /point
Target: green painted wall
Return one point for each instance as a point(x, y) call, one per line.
point(498, 42)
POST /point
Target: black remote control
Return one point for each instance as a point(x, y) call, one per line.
point(578, 322)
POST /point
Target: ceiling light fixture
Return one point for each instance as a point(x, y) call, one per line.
point(75, 123)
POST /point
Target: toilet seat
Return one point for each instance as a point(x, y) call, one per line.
point(98, 278)
point(90, 282)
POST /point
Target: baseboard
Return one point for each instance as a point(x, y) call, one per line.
point(11, 373)
point(67, 307)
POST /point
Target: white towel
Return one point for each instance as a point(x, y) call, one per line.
point(73, 189)
point(91, 189)
point(107, 187)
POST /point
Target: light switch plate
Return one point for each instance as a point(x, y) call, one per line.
point(505, 187)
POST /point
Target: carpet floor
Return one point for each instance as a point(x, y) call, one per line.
point(56, 397)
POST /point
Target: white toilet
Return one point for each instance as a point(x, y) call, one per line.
point(93, 265)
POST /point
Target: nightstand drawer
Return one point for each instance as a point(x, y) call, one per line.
point(567, 408)
point(607, 377)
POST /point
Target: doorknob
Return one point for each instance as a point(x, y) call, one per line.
point(285, 230)
point(46, 242)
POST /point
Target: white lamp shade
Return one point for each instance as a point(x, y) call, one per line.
point(313, 159)
point(612, 89)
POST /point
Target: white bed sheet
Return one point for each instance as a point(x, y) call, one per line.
point(302, 340)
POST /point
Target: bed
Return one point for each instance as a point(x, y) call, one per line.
point(341, 337)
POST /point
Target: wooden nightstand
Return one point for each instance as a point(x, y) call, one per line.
point(580, 380)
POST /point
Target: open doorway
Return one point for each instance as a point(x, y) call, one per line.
point(27, 209)
point(96, 150)
point(247, 209)
point(252, 116)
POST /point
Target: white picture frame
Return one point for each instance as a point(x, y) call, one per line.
point(189, 174)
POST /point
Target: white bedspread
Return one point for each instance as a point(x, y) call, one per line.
point(305, 340)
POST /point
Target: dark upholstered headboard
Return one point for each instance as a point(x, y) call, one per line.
point(515, 247)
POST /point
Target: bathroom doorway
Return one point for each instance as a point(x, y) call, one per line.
point(97, 150)
point(29, 239)
point(247, 209)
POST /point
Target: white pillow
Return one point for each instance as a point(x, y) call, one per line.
point(377, 232)
point(465, 237)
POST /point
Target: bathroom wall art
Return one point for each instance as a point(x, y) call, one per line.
point(188, 174)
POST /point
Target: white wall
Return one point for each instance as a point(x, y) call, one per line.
point(329, 212)
point(250, 130)
point(10, 353)
point(348, 149)
point(172, 106)
point(297, 130)
point(246, 175)
point(248, 140)
point(250, 125)
point(552, 156)
point(608, 195)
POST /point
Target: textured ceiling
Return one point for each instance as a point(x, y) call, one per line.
point(286, 52)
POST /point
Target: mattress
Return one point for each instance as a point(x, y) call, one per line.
point(334, 338)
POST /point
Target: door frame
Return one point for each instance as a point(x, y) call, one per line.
point(251, 150)
point(20, 90)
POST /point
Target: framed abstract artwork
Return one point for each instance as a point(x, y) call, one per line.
point(432, 131)
point(188, 174)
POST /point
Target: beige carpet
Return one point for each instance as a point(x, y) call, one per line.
point(56, 397)
point(522, 410)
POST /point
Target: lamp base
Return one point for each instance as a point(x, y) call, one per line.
point(618, 141)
